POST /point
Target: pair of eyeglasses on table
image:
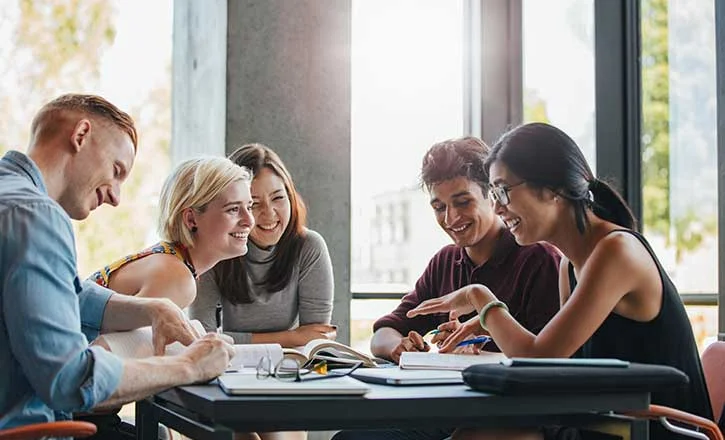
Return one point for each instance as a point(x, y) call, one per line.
point(290, 370)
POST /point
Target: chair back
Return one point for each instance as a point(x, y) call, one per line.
point(69, 428)
point(713, 365)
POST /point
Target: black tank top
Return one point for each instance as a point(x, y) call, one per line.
point(667, 340)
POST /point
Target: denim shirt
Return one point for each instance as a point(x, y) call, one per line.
point(47, 315)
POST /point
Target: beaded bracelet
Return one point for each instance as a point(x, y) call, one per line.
point(486, 308)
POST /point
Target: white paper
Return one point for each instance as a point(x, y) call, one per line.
point(447, 361)
point(249, 355)
point(138, 344)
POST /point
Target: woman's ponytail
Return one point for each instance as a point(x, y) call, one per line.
point(607, 204)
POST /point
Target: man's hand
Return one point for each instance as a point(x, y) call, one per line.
point(209, 356)
point(305, 333)
point(169, 324)
point(413, 342)
point(226, 338)
point(203, 360)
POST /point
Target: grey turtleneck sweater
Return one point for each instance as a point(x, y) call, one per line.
point(307, 299)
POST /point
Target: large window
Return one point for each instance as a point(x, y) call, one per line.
point(407, 94)
point(558, 68)
point(120, 49)
point(679, 146)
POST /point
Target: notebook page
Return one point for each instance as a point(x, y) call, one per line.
point(248, 355)
point(131, 344)
point(138, 343)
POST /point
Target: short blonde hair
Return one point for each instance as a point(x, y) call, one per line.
point(193, 184)
point(89, 105)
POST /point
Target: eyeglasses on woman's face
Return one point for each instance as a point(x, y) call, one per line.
point(289, 369)
point(500, 193)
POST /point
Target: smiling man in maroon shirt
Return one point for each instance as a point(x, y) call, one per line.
point(484, 251)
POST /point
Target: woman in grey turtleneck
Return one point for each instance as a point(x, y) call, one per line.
point(282, 290)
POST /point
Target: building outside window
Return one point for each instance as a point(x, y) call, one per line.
point(407, 94)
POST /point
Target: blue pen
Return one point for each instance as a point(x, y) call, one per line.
point(478, 340)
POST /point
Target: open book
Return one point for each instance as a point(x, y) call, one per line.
point(138, 344)
point(331, 351)
point(447, 361)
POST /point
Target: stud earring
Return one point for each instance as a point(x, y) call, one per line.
point(193, 229)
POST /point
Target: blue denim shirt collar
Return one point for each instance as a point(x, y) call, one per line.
point(24, 163)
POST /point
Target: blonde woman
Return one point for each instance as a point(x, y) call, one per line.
point(205, 217)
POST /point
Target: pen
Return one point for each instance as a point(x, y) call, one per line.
point(218, 316)
point(434, 332)
point(479, 340)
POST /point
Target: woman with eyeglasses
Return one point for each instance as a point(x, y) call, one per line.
point(617, 300)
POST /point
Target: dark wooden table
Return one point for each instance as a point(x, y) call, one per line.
point(206, 412)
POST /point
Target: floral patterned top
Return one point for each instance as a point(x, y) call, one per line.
point(103, 276)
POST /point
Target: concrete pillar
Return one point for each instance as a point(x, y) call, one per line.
point(287, 85)
point(199, 88)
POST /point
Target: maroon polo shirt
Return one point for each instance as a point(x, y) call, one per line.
point(524, 277)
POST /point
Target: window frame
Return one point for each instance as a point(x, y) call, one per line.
point(720, 75)
point(493, 74)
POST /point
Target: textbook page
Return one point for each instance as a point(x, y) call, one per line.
point(138, 344)
point(447, 361)
point(332, 351)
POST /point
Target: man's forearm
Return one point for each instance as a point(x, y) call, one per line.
point(126, 312)
point(144, 377)
point(384, 341)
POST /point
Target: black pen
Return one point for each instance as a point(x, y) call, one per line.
point(218, 316)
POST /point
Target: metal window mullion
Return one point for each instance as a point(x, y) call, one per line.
point(618, 97)
point(720, 62)
point(493, 75)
